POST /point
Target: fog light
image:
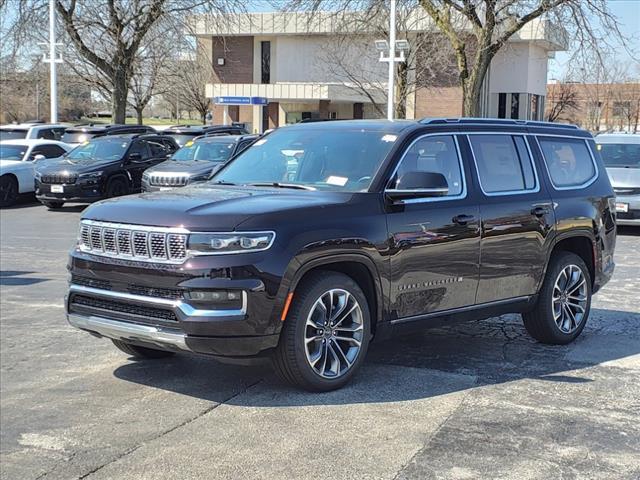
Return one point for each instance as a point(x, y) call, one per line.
point(215, 296)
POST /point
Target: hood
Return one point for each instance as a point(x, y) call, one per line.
point(65, 164)
point(207, 208)
point(624, 177)
point(194, 167)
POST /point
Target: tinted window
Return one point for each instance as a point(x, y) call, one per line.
point(141, 148)
point(568, 160)
point(49, 151)
point(12, 152)
point(12, 133)
point(503, 163)
point(620, 154)
point(103, 149)
point(436, 154)
point(332, 159)
point(158, 149)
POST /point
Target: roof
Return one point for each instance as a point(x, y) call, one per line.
point(34, 141)
point(370, 125)
point(224, 138)
point(633, 138)
point(26, 126)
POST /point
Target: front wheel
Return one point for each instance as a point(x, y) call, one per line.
point(116, 188)
point(326, 334)
point(8, 190)
point(563, 303)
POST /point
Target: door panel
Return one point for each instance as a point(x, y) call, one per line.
point(434, 261)
point(517, 217)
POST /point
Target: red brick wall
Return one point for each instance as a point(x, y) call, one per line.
point(238, 59)
point(438, 102)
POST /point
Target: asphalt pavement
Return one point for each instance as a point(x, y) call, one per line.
point(474, 401)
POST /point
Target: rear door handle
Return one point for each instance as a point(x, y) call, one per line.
point(463, 219)
point(540, 211)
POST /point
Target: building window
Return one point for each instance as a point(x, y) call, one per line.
point(515, 106)
point(265, 65)
point(333, 115)
point(502, 105)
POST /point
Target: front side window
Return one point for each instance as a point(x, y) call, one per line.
point(102, 149)
point(12, 133)
point(568, 161)
point(503, 163)
point(324, 159)
point(620, 154)
point(208, 151)
point(435, 154)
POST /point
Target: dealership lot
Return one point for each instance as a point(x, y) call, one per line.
point(479, 400)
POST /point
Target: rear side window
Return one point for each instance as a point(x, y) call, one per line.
point(503, 163)
point(568, 160)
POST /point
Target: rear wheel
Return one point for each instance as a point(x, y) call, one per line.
point(116, 188)
point(563, 303)
point(326, 334)
point(53, 205)
point(8, 190)
point(141, 352)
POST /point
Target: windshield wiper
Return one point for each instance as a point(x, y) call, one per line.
point(294, 186)
point(222, 182)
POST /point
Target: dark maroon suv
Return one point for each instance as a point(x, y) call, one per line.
point(322, 236)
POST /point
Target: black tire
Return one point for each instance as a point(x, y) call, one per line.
point(9, 191)
point(116, 188)
point(290, 358)
point(52, 205)
point(540, 321)
point(141, 352)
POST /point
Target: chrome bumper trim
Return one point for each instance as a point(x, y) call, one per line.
point(185, 308)
point(128, 331)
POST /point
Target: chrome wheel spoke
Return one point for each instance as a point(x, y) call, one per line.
point(570, 298)
point(333, 333)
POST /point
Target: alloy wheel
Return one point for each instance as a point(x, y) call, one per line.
point(333, 333)
point(570, 298)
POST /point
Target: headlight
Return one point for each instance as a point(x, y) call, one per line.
point(222, 243)
point(90, 176)
point(37, 175)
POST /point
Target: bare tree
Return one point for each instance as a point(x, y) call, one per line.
point(477, 29)
point(562, 99)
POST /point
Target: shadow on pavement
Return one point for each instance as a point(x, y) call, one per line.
point(427, 364)
point(17, 278)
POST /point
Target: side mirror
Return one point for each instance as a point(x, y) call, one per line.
point(418, 185)
point(39, 157)
point(135, 157)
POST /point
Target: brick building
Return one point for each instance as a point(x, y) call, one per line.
point(282, 59)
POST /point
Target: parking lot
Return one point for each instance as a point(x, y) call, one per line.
point(478, 400)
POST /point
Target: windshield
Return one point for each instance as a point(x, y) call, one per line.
point(103, 149)
point(331, 159)
point(12, 133)
point(76, 137)
point(218, 151)
point(620, 154)
point(12, 152)
point(183, 138)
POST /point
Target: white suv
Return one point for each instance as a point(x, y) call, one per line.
point(29, 131)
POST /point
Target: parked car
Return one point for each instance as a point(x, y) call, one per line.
point(621, 155)
point(32, 131)
point(82, 133)
point(183, 133)
point(104, 167)
point(384, 227)
point(195, 161)
point(17, 160)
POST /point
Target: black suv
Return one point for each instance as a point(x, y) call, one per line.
point(183, 133)
point(85, 132)
point(107, 166)
point(324, 235)
point(195, 162)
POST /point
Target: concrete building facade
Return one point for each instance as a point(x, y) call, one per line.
point(286, 58)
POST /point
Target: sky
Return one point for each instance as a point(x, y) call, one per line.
point(628, 12)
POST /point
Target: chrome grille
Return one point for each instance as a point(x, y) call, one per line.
point(58, 178)
point(626, 191)
point(133, 242)
point(167, 180)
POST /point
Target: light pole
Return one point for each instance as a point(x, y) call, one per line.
point(391, 47)
point(52, 60)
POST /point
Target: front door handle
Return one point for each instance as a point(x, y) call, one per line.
point(463, 219)
point(540, 211)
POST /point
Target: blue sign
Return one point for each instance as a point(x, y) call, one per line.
point(240, 101)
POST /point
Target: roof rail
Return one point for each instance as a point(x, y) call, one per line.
point(495, 121)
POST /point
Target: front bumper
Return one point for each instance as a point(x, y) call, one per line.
point(632, 216)
point(71, 193)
